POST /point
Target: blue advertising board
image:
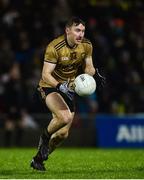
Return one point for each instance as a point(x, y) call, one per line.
point(120, 131)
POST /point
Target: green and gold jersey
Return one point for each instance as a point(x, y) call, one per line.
point(67, 59)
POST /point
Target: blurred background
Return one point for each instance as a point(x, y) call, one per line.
point(111, 117)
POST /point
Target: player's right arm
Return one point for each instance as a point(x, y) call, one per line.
point(48, 68)
point(50, 61)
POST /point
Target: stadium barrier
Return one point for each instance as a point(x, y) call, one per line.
point(104, 131)
point(120, 131)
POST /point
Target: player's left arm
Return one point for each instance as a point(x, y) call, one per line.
point(89, 67)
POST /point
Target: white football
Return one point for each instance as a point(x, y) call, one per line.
point(84, 85)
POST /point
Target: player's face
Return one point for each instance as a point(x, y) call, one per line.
point(75, 34)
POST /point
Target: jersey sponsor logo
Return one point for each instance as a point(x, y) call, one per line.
point(69, 67)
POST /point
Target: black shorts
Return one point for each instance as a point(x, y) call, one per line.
point(44, 91)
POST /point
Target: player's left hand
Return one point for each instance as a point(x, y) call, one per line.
point(101, 80)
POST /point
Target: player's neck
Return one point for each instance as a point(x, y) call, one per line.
point(69, 43)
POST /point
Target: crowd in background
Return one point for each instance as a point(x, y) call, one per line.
point(116, 29)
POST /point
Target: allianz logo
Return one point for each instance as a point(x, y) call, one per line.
point(131, 133)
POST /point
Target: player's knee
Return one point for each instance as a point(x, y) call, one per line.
point(66, 118)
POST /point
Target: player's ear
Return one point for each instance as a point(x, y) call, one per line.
point(67, 30)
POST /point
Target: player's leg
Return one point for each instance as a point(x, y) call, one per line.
point(63, 116)
point(60, 110)
point(58, 137)
point(47, 145)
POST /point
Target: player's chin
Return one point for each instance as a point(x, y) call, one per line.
point(78, 41)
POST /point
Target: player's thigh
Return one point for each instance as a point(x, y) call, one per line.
point(57, 105)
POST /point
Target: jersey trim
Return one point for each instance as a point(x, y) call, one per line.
point(50, 62)
point(59, 44)
point(60, 47)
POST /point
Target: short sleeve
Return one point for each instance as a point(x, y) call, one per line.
point(88, 49)
point(50, 54)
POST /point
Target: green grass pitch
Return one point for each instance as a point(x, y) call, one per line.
point(74, 163)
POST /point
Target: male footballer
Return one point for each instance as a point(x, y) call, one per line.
point(63, 58)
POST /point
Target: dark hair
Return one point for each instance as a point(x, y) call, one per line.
point(74, 21)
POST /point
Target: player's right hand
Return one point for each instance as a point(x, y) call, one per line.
point(64, 88)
